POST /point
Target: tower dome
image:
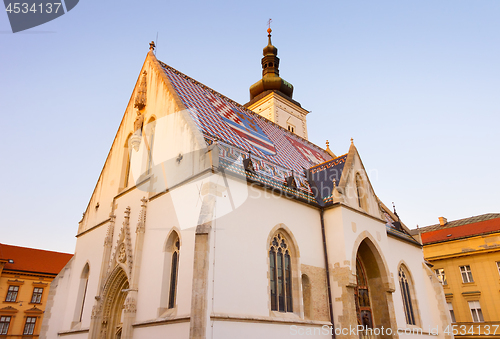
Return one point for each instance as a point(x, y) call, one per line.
point(270, 73)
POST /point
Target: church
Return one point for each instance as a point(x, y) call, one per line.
point(212, 219)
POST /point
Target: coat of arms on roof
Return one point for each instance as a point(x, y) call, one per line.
point(243, 125)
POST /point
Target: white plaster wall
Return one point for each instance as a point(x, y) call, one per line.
point(343, 239)
point(89, 249)
point(412, 256)
point(248, 330)
point(55, 322)
point(241, 249)
point(350, 193)
point(176, 330)
point(161, 220)
point(174, 135)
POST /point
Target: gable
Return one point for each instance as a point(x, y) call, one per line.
point(322, 177)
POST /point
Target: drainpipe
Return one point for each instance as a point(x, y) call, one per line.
point(330, 306)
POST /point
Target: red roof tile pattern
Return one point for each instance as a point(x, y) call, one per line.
point(455, 223)
point(33, 260)
point(462, 231)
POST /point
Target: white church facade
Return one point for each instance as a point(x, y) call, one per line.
point(211, 219)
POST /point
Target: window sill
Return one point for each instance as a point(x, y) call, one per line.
point(167, 312)
point(284, 315)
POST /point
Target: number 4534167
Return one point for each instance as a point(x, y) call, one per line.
point(34, 8)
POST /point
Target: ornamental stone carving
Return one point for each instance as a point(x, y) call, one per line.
point(130, 306)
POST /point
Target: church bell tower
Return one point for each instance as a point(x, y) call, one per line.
point(271, 96)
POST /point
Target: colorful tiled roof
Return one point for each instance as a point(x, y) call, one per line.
point(463, 228)
point(219, 117)
point(33, 260)
point(322, 176)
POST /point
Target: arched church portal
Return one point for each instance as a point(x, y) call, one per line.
point(372, 298)
point(114, 299)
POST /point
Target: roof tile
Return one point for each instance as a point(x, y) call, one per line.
point(33, 260)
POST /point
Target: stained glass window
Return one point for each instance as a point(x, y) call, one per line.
point(406, 295)
point(280, 267)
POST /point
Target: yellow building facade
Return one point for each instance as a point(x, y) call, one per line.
point(466, 258)
point(25, 277)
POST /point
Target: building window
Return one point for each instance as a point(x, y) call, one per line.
point(127, 156)
point(362, 296)
point(82, 293)
point(466, 274)
point(173, 274)
point(280, 266)
point(404, 283)
point(36, 298)
point(4, 325)
point(150, 132)
point(12, 293)
point(29, 327)
point(498, 266)
point(441, 276)
point(170, 278)
point(452, 313)
point(361, 193)
point(475, 310)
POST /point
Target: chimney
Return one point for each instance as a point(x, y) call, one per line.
point(442, 221)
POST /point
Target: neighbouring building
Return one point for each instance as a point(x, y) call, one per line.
point(25, 276)
point(212, 219)
point(466, 258)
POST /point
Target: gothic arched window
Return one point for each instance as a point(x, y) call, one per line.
point(280, 268)
point(168, 297)
point(173, 273)
point(127, 155)
point(361, 192)
point(82, 293)
point(406, 294)
point(150, 138)
point(362, 297)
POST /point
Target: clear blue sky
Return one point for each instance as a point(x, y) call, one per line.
point(415, 83)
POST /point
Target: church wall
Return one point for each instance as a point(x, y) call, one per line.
point(345, 231)
point(161, 221)
point(426, 309)
point(89, 248)
point(369, 200)
point(56, 301)
point(174, 135)
point(242, 239)
point(252, 330)
point(161, 331)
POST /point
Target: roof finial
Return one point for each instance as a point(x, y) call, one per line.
point(152, 46)
point(352, 141)
point(394, 207)
point(269, 30)
point(327, 144)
